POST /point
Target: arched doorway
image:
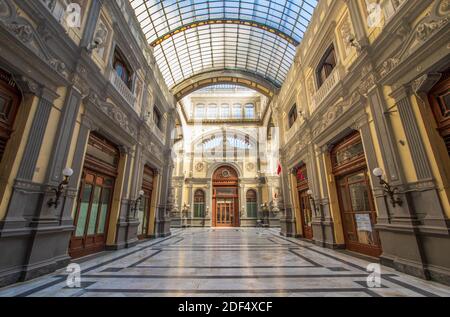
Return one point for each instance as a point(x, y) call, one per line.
point(10, 98)
point(225, 197)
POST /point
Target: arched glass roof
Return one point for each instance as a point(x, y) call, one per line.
point(196, 36)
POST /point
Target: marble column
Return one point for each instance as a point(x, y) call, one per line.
point(287, 221)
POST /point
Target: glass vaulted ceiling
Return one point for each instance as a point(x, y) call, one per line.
point(197, 36)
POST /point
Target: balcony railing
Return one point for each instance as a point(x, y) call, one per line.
point(122, 89)
point(326, 88)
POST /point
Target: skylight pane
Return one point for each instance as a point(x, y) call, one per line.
point(211, 46)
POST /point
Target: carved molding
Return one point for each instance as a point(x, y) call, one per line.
point(113, 112)
point(24, 31)
point(424, 30)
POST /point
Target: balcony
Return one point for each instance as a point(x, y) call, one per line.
point(122, 89)
point(326, 88)
point(294, 129)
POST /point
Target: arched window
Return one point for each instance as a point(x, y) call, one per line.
point(250, 111)
point(212, 111)
point(225, 111)
point(237, 111)
point(326, 66)
point(200, 111)
point(121, 68)
point(199, 203)
point(252, 209)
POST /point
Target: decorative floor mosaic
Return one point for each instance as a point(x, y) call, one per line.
point(226, 262)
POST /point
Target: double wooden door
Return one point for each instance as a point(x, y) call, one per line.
point(225, 212)
point(358, 213)
point(306, 213)
point(92, 214)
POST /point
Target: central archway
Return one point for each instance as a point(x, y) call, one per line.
point(225, 197)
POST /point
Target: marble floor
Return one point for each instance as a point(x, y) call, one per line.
point(237, 262)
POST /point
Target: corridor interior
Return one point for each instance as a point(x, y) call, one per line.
point(232, 262)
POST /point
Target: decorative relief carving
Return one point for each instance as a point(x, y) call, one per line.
point(23, 30)
point(199, 166)
point(250, 167)
point(79, 80)
point(425, 29)
point(335, 112)
point(113, 112)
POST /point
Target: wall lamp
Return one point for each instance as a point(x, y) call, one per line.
point(388, 189)
point(310, 193)
point(54, 202)
point(136, 203)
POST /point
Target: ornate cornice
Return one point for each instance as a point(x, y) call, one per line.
point(436, 20)
point(23, 30)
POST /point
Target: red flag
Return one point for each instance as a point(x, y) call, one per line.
point(279, 169)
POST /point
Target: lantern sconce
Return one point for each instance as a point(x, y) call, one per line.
point(388, 189)
point(54, 202)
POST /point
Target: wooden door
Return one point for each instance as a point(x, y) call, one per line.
point(304, 201)
point(92, 214)
point(225, 197)
point(356, 202)
point(145, 206)
point(225, 212)
point(306, 214)
point(440, 101)
point(95, 197)
point(358, 213)
point(9, 103)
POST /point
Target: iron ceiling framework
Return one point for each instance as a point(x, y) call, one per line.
point(192, 37)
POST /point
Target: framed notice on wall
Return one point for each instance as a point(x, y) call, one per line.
point(363, 222)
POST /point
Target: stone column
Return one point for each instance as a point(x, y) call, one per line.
point(287, 220)
point(402, 247)
point(163, 210)
point(326, 237)
point(423, 193)
point(123, 237)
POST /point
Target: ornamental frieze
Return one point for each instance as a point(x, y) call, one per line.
point(23, 30)
point(113, 112)
point(425, 29)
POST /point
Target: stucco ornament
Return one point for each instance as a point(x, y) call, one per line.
point(424, 30)
point(199, 166)
point(23, 30)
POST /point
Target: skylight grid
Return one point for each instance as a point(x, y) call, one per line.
point(191, 37)
point(290, 17)
point(256, 51)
